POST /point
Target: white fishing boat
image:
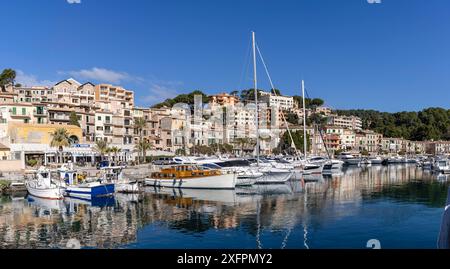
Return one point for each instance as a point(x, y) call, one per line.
point(192, 177)
point(115, 175)
point(43, 186)
point(79, 186)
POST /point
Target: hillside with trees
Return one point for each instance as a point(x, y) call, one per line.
point(430, 123)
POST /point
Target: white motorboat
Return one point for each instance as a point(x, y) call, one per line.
point(396, 160)
point(192, 177)
point(246, 175)
point(44, 187)
point(312, 168)
point(317, 160)
point(349, 159)
point(442, 166)
point(376, 160)
point(332, 166)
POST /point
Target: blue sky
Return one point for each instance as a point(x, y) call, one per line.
point(391, 56)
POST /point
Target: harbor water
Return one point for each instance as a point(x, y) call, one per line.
point(400, 206)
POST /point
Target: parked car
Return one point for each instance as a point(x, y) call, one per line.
point(102, 164)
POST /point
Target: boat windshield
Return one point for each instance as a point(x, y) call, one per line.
point(234, 163)
point(211, 166)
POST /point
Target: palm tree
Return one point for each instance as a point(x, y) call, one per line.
point(143, 146)
point(101, 146)
point(139, 125)
point(114, 150)
point(244, 142)
point(60, 139)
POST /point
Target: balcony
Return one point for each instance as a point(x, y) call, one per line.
point(59, 118)
point(40, 113)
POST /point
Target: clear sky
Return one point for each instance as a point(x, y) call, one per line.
point(390, 56)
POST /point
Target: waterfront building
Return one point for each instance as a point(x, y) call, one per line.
point(438, 147)
point(350, 122)
point(282, 102)
point(392, 145)
point(332, 142)
point(369, 141)
point(348, 139)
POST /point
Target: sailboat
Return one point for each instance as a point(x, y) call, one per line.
point(271, 174)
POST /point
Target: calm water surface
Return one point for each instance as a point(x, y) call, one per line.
point(401, 206)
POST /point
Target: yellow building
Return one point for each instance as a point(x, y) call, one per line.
point(4, 152)
point(22, 133)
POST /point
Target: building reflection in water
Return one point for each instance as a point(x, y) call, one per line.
point(257, 210)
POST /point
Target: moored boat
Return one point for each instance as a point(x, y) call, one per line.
point(193, 177)
point(79, 186)
point(43, 186)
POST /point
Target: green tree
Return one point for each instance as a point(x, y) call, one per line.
point(101, 147)
point(249, 95)
point(114, 150)
point(73, 119)
point(7, 76)
point(276, 92)
point(139, 125)
point(285, 144)
point(143, 146)
point(60, 139)
point(234, 93)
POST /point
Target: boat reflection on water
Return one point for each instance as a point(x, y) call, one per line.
point(94, 202)
point(222, 196)
point(266, 189)
point(444, 233)
point(45, 204)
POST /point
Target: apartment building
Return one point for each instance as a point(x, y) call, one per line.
point(350, 122)
point(438, 147)
point(348, 139)
point(323, 110)
point(35, 94)
point(223, 99)
point(282, 102)
point(392, 144)
point(369, 141)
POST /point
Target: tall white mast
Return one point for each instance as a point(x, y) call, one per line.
point(256, 97)
point(304, 118)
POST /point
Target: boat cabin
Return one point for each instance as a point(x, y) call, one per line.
point(185, 171)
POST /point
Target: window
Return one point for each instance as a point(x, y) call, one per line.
point(14, 110)
point(99, 118)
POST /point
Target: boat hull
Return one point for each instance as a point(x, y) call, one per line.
point(273, 177)
point(45, 193)
point(127, 187)
point(225, 181)
point(89, 192)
